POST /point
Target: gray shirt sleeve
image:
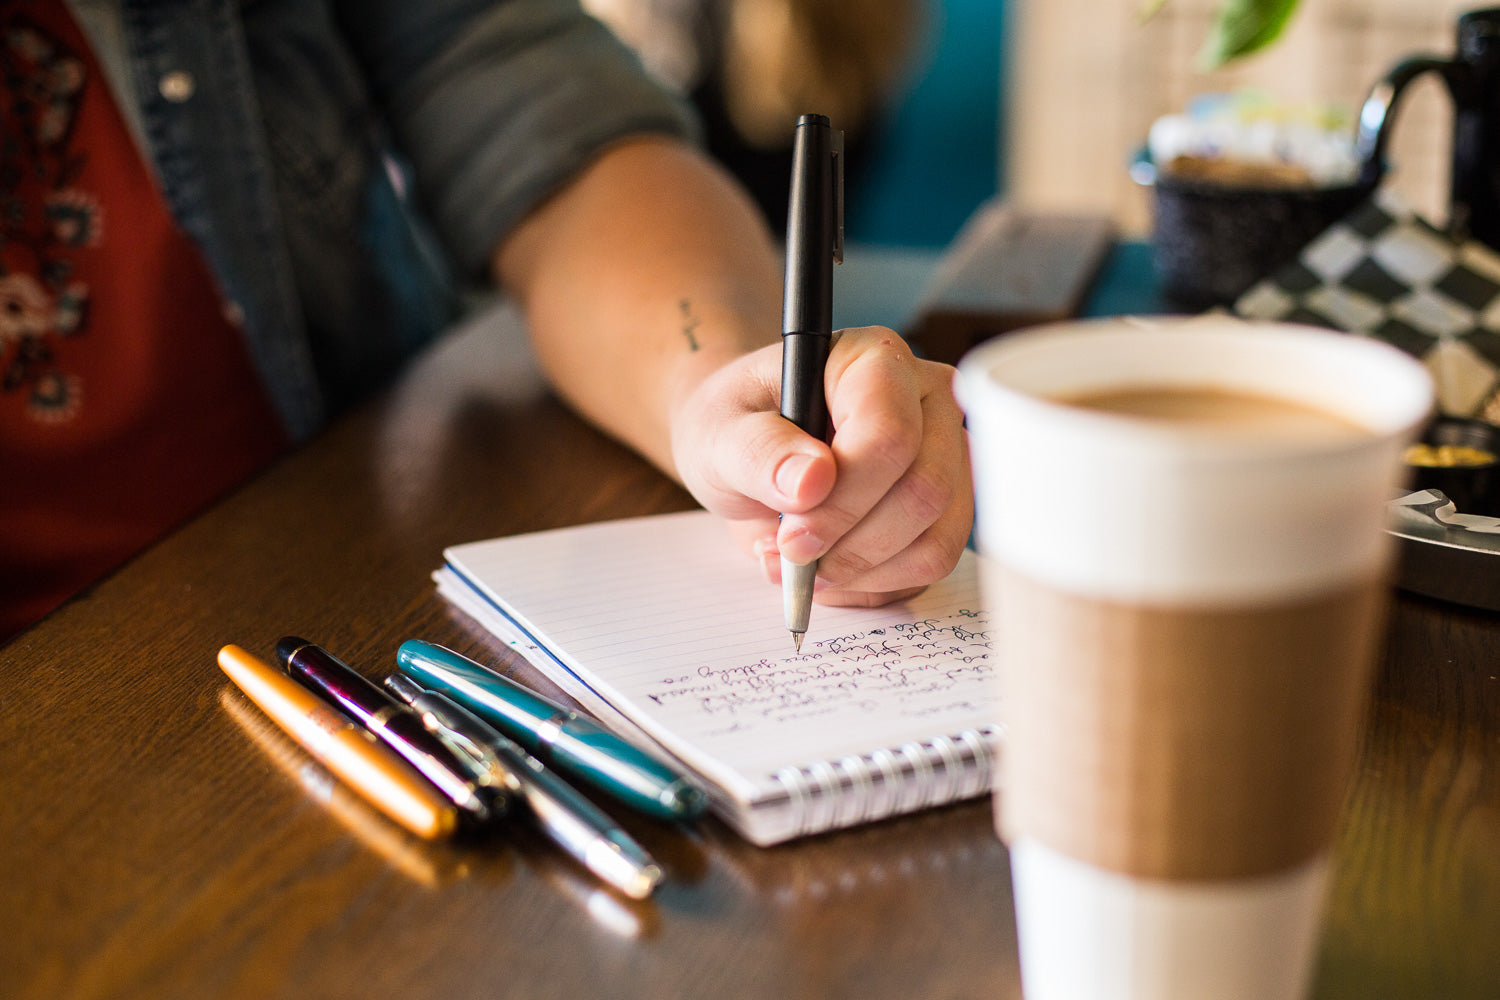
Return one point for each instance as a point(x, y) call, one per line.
point(498, 104)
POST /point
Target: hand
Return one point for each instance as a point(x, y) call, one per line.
point(886, 509)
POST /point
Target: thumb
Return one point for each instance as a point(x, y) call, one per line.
point(760, 462)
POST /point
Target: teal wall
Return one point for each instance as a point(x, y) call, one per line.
point(936, 155)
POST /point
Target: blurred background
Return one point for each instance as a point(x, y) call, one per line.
point(1087, 79)
point(949, 102)
point(916, 85)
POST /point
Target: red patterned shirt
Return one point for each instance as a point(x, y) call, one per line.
point(127, 398)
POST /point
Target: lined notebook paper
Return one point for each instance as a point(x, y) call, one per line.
point(666, 632)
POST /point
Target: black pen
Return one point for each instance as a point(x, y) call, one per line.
point(814, 242)
point(393, 724)
point(571, 820)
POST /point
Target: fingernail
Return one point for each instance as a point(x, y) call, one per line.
point(769, 557)
point(790, 473)
point(770, 565)
point(801, 547)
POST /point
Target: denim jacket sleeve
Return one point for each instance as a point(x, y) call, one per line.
point(497, 104)
point(283, 133)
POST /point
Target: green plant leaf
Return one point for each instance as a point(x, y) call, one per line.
point(1243, 27)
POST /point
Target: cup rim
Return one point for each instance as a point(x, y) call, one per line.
point(1193, 349)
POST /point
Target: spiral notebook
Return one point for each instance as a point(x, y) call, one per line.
point(667, 633)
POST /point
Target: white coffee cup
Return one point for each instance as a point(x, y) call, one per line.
point(1187, 614)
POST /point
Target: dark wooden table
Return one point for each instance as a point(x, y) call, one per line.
point(158, 839)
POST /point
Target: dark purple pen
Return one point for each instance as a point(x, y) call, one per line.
point(395, 725)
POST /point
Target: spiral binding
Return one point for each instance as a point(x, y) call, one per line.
point(828, 795)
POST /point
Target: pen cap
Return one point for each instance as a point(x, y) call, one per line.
point(554, 734)
point(813, 228)
point(348, 750)
point(516, 710)
point(393, 723)
point(313, 665)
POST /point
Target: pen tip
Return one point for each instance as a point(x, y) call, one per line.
point(797, 640)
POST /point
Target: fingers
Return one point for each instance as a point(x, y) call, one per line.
point(900, 510)
point(874, 394)
point(885, 509)
point(776, 464)
point(758, 539)
point(737, 454)
point(914, 533)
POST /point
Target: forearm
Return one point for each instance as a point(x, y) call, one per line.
point(652, 291)
point(644, 276)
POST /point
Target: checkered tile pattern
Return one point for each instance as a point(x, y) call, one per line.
point(1384, 272)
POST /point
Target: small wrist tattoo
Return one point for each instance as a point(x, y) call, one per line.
point(689, 323)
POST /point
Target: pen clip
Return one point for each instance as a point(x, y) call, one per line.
point(836, 144)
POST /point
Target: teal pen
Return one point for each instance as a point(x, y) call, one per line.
point(560, 738)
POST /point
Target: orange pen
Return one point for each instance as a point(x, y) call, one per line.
point(343, 746)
